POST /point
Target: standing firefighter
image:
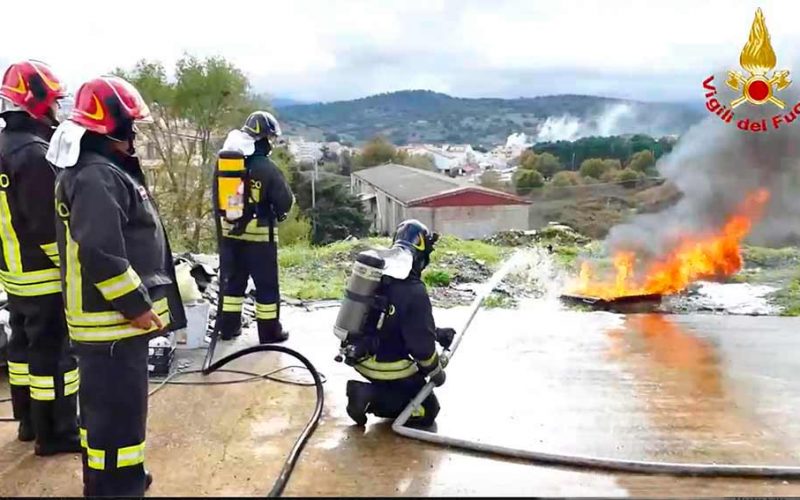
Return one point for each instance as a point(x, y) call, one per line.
point(394, 345)
point(43, 373)
point(252, 197)
point(118, 277)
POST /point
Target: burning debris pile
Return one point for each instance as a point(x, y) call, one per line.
point(736, 185)
point(709, 255)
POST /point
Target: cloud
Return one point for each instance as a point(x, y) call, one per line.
point(327, 50)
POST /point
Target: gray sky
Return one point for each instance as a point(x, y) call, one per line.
point(343, 49)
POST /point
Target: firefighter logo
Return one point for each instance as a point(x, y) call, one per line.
point(758, 59)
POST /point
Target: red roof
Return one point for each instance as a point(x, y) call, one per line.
point(468, 196)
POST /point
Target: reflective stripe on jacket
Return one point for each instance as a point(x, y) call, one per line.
point(116, 261)
point(29, 263)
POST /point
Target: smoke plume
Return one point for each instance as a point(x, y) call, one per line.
point(715, 165)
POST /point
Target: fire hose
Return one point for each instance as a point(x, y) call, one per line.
point(576, 461)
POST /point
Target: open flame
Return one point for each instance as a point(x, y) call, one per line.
point(758, 57)
point(696, 256)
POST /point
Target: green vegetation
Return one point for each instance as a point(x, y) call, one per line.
point(788, 298)
point(770, 257)
point(421, 116)
point(622, 148)
point(321, 272)
point(379, 151)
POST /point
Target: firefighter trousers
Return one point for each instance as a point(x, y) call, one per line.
point(240, 260)
point(43, 371)
point(113, 402)
point(388, 398)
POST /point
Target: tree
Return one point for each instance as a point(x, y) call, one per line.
point(526, 180)
point(338, 213)
point(528, 160)
point(565, 179)
point(376, 152)
point(191, 112)
point(346, 163)
point(491, 179)
point(422, 162)
point(643, 161)
point(548, 165)
point(593, 167)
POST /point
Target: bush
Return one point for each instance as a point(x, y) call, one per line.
point(527, 180)
point(565, 179)
point(643, 161)
point(296, 229)
point(593, 167)
point(436, 278)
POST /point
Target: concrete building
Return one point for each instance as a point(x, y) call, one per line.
point(392, 193)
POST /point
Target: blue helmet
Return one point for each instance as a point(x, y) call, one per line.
point(415, 237)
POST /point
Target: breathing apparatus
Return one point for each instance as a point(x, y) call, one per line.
point(364, 308)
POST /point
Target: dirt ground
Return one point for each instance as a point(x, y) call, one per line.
point(680, 388)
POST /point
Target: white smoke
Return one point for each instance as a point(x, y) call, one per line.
point(715, 165)
point(570, 128)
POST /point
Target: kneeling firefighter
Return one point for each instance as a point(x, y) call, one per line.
point(251, 197)
point(387, 329)
point(119, 281)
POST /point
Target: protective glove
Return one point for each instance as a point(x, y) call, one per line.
point(445, 336)
point(437, 376)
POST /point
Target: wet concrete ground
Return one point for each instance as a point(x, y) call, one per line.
point(674, 388)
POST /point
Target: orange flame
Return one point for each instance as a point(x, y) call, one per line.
point(695, 257)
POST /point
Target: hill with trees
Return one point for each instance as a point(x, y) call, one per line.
point(414, 116)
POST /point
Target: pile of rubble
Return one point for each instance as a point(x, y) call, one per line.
point(554, 233)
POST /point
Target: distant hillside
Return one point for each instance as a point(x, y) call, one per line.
point(425, 116)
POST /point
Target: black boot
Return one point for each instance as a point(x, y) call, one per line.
point(25, 431)
point(359, 399)
point(71, 444)
point(271, 332)
point(230, 336)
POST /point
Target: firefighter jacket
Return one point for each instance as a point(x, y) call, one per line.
point(406, 341)
point(269, 199)
point(116, 259)
point(29, 264)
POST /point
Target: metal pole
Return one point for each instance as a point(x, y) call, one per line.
point(314, 198)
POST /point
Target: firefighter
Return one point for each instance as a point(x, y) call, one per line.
point(404, 353)
point(42, 371)
point(118, 277)
point(249, 246)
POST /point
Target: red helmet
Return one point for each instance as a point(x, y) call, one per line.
point(32, 86)
point(109, 105)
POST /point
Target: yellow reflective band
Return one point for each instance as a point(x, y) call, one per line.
point(43, 394)
point(73, 295)
point(84, 439)
point(96, 459)
point(70, 389)
point(43, 382)
point(266, 307)
point(253, 232)
point(371, 368)
point(418, 412)
point(18, 368)
point(109, 318)
point(18, 374)
point(18, 380)
point(34, 290)
point(71, 376)
point(31, 277)
point(428, 362)
point(50, 249)
point(123, 284)
point(267, 315)
point(232, 304)
point(132, 455)
point(11, 251)
point(106, 334)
